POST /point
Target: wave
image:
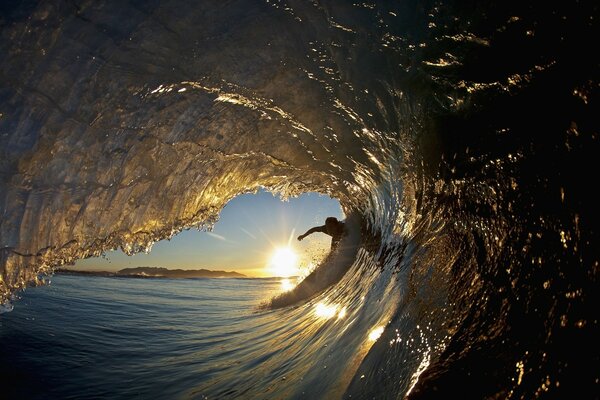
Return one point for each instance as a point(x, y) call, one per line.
point(328, 272)
point(460, 133)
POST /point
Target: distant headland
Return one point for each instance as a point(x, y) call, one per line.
point(155, 272)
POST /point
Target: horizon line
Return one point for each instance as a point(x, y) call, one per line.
point(253, 276)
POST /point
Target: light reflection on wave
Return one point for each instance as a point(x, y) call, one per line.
point(329, 310)
point(287, 285)
point(375, 333)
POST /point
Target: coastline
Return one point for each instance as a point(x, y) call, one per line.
point(154, 272)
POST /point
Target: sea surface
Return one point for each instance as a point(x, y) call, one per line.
point(123, 338)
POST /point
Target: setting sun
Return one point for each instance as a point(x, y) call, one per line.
point(284, 263)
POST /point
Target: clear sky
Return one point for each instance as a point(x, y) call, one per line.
point(250, 228)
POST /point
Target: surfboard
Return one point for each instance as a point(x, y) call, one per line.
point(329, 271)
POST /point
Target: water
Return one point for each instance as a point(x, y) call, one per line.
point(95, 337)
point(464, 135)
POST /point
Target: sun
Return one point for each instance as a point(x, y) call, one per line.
point(284, 262)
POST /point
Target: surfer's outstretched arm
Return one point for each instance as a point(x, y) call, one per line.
point(313, 230)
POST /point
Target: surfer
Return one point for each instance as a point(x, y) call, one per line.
point(332, 227)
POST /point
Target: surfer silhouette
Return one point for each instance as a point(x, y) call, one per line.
point(332, 227)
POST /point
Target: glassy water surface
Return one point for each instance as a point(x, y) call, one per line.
point(90, 337)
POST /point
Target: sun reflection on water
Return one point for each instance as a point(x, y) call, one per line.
point(375, 333)
point(287, 285)
point(328, 311)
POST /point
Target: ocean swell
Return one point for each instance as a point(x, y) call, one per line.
point(458, 132)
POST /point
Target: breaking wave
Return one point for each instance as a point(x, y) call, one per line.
point(460, 133)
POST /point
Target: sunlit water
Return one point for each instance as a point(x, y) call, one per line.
point(97, 337)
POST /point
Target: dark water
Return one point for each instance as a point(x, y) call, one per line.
point(465, 135)
point(112, 338)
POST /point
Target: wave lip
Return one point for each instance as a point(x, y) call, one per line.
point(141, 134)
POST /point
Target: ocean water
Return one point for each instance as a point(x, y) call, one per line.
point(116, 338)
point(98, 337)
point(463, 134)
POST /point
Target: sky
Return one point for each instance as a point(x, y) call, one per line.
point(250, 229)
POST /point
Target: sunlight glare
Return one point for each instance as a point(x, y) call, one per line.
point(287, 285)
point(328, 311)
point(284, 263)
point(375, 333)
